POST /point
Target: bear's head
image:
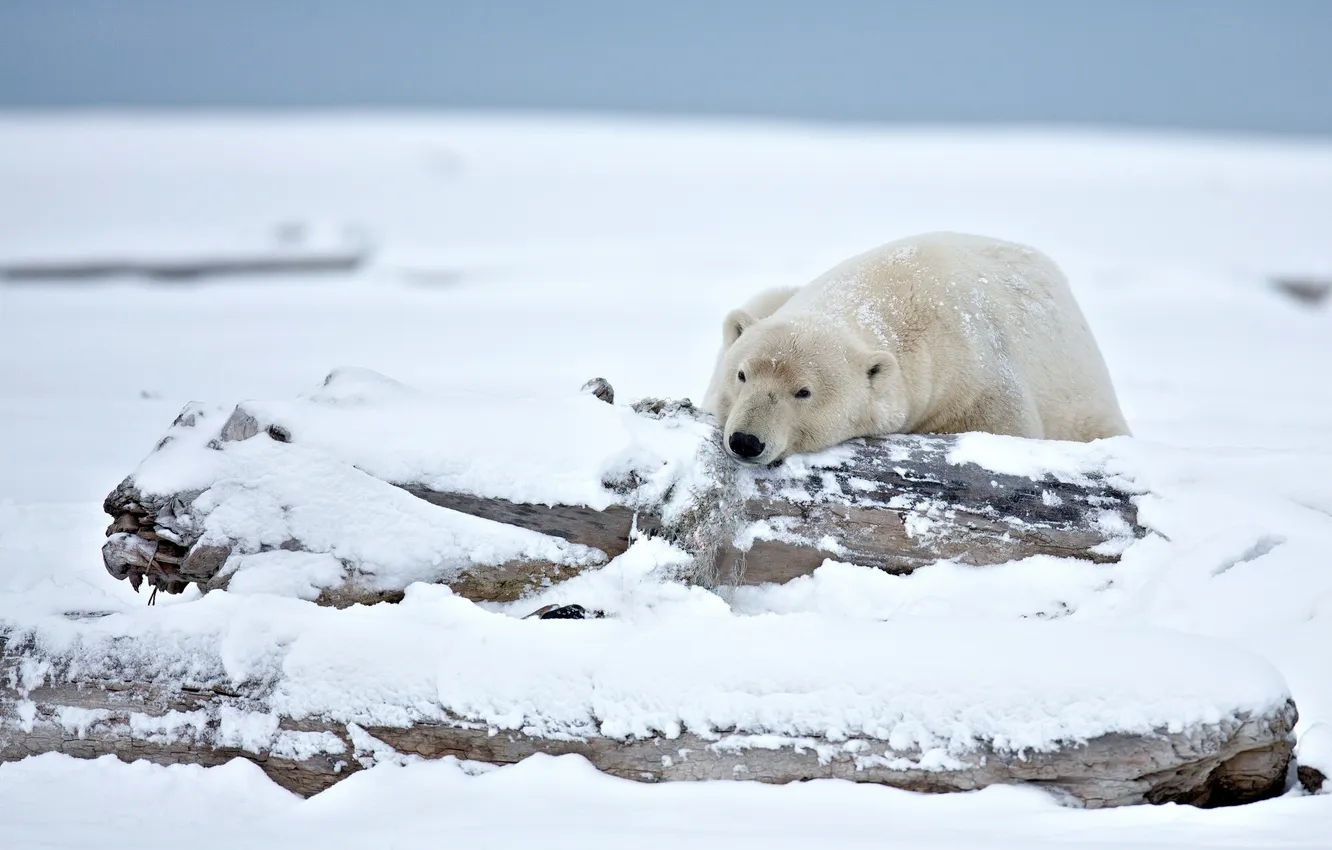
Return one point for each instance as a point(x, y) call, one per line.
point(791, 385)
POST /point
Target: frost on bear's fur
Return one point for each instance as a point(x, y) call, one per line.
point(938, 333)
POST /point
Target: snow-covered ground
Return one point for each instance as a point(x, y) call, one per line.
point(519, 257)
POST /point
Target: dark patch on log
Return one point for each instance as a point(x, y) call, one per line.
point(1311, 778)
point(607, 530)
point(509, 582)
point(347, 595)
point(565, 612)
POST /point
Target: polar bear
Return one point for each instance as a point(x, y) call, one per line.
point(936, 333)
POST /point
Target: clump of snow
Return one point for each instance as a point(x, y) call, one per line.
point(173, 726)
point(557, 449)
point(1064, 461)
point(639, 584)
point(284, 573)
point(1040, 587)
point(779, 528)
point(259, 732)
point(79, 720)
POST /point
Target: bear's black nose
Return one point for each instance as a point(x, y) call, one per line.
point(746, 445)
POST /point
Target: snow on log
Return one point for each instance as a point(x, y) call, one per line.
point(355, 491)
point(1100, 717)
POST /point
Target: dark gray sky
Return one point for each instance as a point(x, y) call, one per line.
point(1250, 65)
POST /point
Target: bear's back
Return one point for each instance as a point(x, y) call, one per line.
point(978, 314)
point(949, 288)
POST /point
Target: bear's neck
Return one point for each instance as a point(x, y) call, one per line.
point(923, 392)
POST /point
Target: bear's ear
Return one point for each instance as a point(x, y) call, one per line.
point(880, 368)
point(733, 325)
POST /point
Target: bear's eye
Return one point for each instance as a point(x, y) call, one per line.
point(741, 375)
point(803, 392)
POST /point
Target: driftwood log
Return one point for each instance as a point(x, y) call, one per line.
point(1223, 764)
point(187, 269)
point(287, 253)
point(891, 504)
point(895, 505)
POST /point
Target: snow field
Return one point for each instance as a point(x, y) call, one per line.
point(516, 259)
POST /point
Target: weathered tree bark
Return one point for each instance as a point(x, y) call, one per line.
point(896, 504)
point(1208, 765)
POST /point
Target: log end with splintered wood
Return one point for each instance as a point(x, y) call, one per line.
point(601, 388)
point(891, 503)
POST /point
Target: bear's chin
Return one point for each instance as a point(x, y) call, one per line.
point(757, 464)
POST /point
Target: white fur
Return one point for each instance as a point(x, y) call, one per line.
point(938, 333)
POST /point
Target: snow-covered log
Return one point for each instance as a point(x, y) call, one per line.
point(1114, 717)
point(365, 491)
point(185, 268)
point(366, 486)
